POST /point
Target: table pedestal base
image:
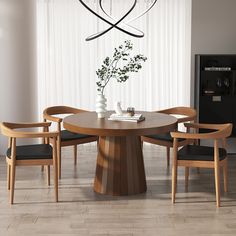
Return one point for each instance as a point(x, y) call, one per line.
point(120, 167)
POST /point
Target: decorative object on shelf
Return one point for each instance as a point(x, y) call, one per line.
point(118, 108)
point(114, 23)
point(226, 82)
point(118, 67)
point(219, 82)
point(101, 105)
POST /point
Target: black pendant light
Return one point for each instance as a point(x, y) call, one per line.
point(118, 24)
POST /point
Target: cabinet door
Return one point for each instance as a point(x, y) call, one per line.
point(216, 111)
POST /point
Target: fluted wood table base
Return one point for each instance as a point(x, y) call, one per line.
point(120, 167)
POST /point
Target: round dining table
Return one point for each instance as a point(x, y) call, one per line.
point(120, 165)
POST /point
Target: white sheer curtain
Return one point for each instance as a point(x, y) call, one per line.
point(67, 63)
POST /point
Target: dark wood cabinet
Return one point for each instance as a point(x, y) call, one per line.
point(215, 89)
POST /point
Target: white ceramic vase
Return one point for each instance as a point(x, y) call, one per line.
point(101, 105)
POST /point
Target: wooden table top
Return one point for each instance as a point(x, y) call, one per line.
point(88, 123)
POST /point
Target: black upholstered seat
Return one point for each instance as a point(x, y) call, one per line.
point(30, 152)
point(67, 135)
point(201, 153)
point(164, 137)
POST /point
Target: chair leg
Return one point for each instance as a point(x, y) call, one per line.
point(75, 155)
point(8, 176)
point(225, 173)
point(55, 166)
point(217, 185)
point(42, 168)
point(12, 187)
point(196, 142)
point(174, 182)
point(98, 145)
point(55, 181)
point(48, 175)
point(186, 178)
point(59, 161)
point(168, 155)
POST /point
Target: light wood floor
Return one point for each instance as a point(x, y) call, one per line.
point(83, 212)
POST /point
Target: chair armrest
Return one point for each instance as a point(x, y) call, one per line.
point(223, 131)
point(19, 134)
point(52, 118)
point(186, 118)
point(191, 136)
point(203, 126)
point(186, 113)
point(25, 125)
point(8, 129)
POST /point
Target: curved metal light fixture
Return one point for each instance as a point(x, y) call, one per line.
point(124, 27)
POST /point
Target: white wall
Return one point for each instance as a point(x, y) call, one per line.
point(17, 62)
point(213, 29)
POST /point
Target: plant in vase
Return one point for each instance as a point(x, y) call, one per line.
point(118, 67)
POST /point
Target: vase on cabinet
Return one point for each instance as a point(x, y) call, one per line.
point(101, 105)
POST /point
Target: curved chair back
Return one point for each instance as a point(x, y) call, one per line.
point(8, 129)
point(57, 110)
point(221, 131)
point(189, 113)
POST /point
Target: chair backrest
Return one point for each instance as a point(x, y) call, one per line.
point(57, 110)
point(8, 129)
point(189, 113)
point(51, 112)
point(220, 131)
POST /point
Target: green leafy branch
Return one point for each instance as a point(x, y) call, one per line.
point(110, 68)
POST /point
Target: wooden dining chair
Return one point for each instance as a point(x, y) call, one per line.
point(184, 114)
point(202, 156)
point(66, 138)
point(29, 155)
